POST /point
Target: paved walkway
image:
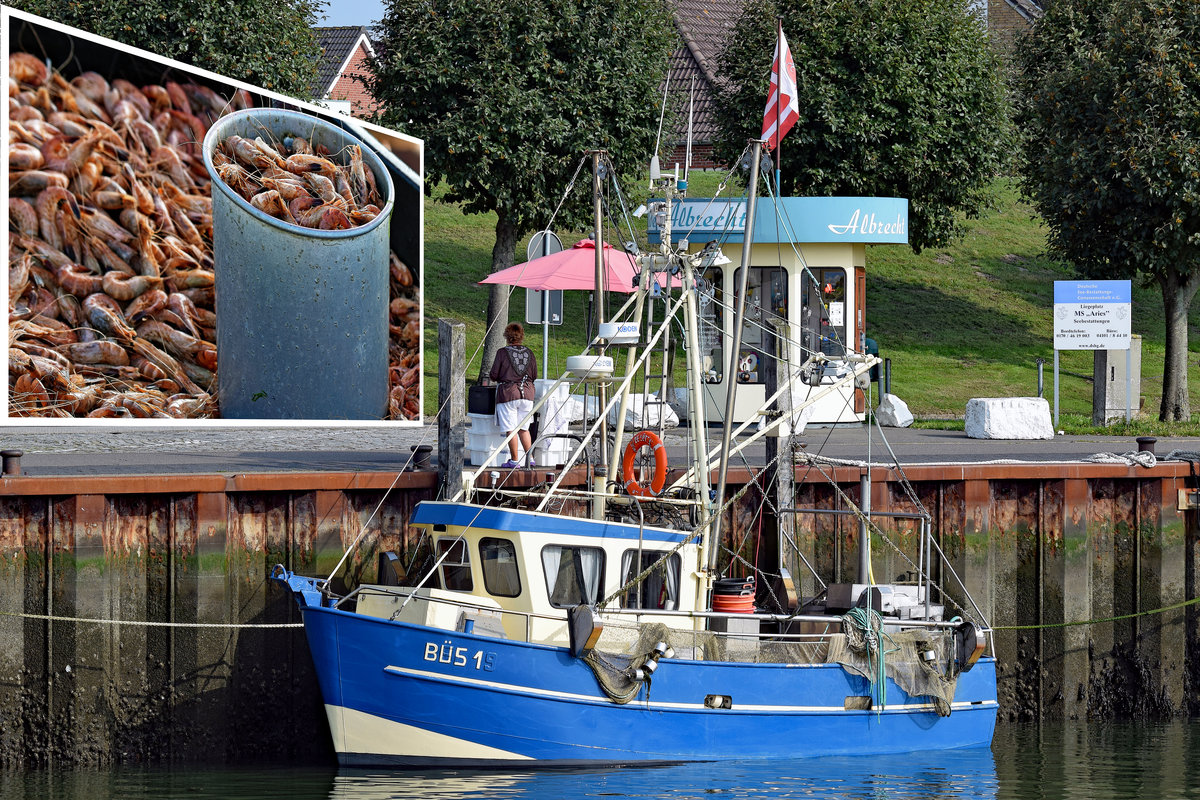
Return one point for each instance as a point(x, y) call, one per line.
point(146, 449)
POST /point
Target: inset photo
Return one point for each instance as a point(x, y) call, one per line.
point(183, 245)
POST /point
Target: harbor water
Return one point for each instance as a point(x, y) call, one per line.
point(1061, 761)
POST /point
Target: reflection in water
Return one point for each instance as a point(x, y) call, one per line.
point(1082, 761)
point(921, 776)
point(1066, 761)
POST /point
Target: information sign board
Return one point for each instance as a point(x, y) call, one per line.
point(1092, 315)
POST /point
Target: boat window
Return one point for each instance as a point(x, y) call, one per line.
point(823, 312)
point(659, 589)
point(574, 575)
point(766, 302)
point(498, 558)
point(711, 333)
point(456, 566)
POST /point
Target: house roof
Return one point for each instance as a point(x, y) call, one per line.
point(338, 45)
point(1028, 9)
point(704, 26)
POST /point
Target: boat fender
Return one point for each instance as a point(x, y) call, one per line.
point(969, 642)
point(584, 628)
point(637, 442)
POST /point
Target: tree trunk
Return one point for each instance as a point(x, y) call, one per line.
point(497, 313)
point(1178, 289)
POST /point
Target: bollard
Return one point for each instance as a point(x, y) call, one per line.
point(421, 453)
point(10, 462)
point(1146, 444)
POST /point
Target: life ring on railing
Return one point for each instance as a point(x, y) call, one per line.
point(645, 439)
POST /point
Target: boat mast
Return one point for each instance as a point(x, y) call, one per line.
point(738, 319)
point(600, 481)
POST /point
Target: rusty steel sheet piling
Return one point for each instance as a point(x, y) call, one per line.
point(148, 560)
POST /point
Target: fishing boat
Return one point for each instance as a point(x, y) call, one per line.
point(600, 620)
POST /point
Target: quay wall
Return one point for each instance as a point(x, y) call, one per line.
point(138, 624)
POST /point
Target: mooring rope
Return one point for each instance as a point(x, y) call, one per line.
point(1162, 610)
point(149, 624)
point(1142, 458)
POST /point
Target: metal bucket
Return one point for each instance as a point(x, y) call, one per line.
point(302, 314)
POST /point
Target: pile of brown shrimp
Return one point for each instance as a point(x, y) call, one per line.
point(111, 284)
point(297, 183)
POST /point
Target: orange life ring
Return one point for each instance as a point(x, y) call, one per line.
point(645, 439)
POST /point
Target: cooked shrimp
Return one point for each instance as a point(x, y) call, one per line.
point(122, 286)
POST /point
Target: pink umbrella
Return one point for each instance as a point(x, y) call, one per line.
point(574, 268)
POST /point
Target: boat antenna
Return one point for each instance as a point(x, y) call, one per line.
point(739, 315)
point(655, 172)
point(687, 159)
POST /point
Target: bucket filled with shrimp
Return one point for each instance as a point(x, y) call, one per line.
point(301, 224)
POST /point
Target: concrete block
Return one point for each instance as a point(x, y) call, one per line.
point(1008, 418)
point(893, 412)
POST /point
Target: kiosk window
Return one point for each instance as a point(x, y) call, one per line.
point(574, 575)
point(766, 302)
point(498, 558)
point(712, 322)
point(660, 589)
point(824, 312)
point(456, 567)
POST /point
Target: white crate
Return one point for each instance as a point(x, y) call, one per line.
point(483, 423)
point(478, 458)
point(552, 452)
point(484, 441)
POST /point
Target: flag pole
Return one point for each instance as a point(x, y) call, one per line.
point(778, 100)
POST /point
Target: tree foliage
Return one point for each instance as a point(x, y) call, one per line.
point(1109, 101)
point(268, 43)
point(896, 99)
point(509, 95)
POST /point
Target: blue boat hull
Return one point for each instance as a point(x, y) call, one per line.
point(401, 694)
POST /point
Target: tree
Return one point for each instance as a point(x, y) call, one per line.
point(508, 96)
point(896, 99)
point(268, 43)
point(1109, 102)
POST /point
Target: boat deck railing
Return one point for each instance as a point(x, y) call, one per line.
point(740, 628)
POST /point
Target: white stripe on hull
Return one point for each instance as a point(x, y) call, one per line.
point(658, 706)
point(358, 732)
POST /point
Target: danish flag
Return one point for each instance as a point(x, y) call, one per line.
point(783, 108)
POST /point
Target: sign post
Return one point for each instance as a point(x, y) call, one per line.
point(543, 306)
point(1093, 315)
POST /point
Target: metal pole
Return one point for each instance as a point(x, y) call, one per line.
point(887, 376)
point(545, 332)
point(1041, 364)
point(778, 102)
point(601, 390)
point(546, 313)
point(1056, 388)
point(1128, 383)
point(864, 531)
point(738, 319)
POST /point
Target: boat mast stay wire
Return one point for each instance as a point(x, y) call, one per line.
point(603, 413)
point(854, 508)
point(739, 316)
point(424, 437)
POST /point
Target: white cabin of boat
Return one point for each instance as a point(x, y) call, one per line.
point(514, 574)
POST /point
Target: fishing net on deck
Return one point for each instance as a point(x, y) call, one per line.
point(867, 649)
point(623, 649)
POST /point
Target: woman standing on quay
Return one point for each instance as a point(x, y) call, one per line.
point(514, 371)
